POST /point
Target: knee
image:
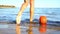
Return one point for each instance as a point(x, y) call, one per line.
point(26, 2)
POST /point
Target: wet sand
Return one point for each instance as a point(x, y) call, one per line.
point(11, 29)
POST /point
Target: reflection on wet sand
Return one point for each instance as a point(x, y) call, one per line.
point(30, 29)
point(18, 30)
point(42, 29)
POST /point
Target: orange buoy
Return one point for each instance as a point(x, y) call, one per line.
point(42, 20)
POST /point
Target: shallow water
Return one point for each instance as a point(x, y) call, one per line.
point(30, 29)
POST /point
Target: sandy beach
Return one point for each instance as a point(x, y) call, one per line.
point(10, 29)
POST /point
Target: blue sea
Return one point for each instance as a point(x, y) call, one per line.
point(52, 14)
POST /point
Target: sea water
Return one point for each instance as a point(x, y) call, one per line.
point(9, 14)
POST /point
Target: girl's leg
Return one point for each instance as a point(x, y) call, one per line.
point(24, 5)
point(18, 18)
point(31, 10)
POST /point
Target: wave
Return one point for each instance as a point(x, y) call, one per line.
point(36, 21)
